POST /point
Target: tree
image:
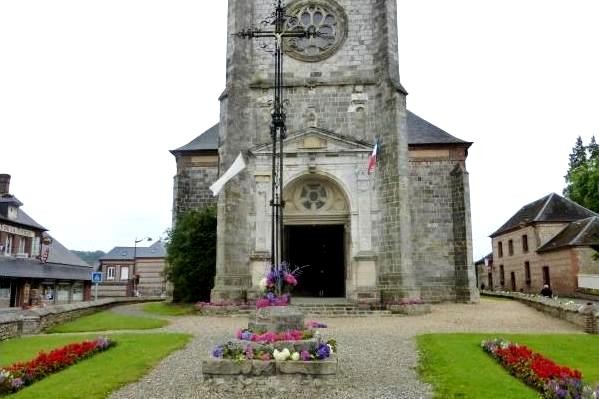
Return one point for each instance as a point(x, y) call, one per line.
point(90, 257)
point(191, 255)
point(593, 149)
point(578, 157)
point(584, 185)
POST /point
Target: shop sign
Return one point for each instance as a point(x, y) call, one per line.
point(16, 231)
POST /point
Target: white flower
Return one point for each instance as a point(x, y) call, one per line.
point(281, 356)
point(331, 348)
point(295, 356)
point(263, 283)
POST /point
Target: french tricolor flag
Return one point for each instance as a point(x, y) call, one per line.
point(373, 157)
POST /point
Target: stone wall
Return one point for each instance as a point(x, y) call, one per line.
point(37, 320)
point(573, 313)
point(191, 189)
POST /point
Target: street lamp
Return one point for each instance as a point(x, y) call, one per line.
point(137, 241)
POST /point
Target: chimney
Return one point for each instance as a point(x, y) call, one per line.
point(4, 184)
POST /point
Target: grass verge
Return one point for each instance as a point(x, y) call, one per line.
point(457, 367)
point(169, 309)
point(108, 321)
point(96, 377)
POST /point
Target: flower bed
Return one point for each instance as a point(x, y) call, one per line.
point(271, 337)
point(239, 352)
point(19, 375)
point(552, 380)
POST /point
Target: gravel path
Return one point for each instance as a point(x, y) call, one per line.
point(377, 356)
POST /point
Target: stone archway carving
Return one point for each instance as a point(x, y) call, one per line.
point(315, 199)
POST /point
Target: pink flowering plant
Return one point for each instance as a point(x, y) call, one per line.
point(272, 337)
point(278, 284)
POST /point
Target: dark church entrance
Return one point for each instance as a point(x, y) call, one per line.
point(322, 249)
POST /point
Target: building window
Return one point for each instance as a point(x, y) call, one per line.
point(77, 292)
point(510, 247)
point(124, 272)
point(524, 243)
point(546, 277)
point(500, 249)
point(490, 276)
point(513, 280)
point(501, 275)
point(110, 272)
point(527, 273)
point(35, 247)
point(4, 289)
point(21, 245)
point(63, 293)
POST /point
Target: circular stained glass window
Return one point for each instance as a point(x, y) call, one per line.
point(325, 17)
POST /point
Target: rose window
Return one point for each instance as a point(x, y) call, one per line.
point(313, 196)
point(326, 18)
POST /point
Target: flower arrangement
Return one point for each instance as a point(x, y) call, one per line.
point(239, 352)
point(311, 324)
point(553, 380)
point(19, 375)
point(271, 337)
point(277, 284)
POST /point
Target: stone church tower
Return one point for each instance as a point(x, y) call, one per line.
point(402, 232)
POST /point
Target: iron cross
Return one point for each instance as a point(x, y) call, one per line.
point(278, 129)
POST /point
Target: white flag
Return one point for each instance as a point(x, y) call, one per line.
point(233, 171)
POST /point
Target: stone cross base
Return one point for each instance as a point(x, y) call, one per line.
point(225, 368)
point(277, 319)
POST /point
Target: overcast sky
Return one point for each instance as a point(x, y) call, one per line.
point(93, 94)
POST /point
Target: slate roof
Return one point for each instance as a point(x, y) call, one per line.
point(420, 132)
point(481, 261)
point(10, 199)
point(580, 233)
point(30, 268)
point(205, 141)
point(23, 219)
point(59, 254)
point(156, 250)
point(551, 208)
point(62, 265)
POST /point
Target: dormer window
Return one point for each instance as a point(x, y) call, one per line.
point(13, 212)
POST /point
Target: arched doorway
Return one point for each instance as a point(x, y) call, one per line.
point(316, 235)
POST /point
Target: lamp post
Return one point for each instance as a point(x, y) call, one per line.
point(133, 272)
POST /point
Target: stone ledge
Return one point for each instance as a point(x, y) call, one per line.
point(219, 368)
point(574, 313)
point(410, 309)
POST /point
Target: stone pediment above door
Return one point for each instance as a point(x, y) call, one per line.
point(316, 140)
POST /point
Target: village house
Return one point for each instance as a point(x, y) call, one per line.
point(35, 269)
point(551, 241)
point(133, 271)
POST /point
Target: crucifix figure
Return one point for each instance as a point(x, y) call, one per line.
point(278, 129)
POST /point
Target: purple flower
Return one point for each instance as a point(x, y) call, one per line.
point(323, 352)
point(247, 335)
point(305, 356)
point(270, 296)
point(16, 383)
point(218, 352)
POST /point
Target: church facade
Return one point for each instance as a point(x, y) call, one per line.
point(400, 233)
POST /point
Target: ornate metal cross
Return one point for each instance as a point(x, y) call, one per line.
point(278, 129)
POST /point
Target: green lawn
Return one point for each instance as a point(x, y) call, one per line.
point(169, 309)
point(96, 377)
point(457, 367)
point(107, 321)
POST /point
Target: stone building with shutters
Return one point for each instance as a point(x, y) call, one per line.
point(35, 269)
point(131, 271)
point(403, 232)
point(551, 241)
